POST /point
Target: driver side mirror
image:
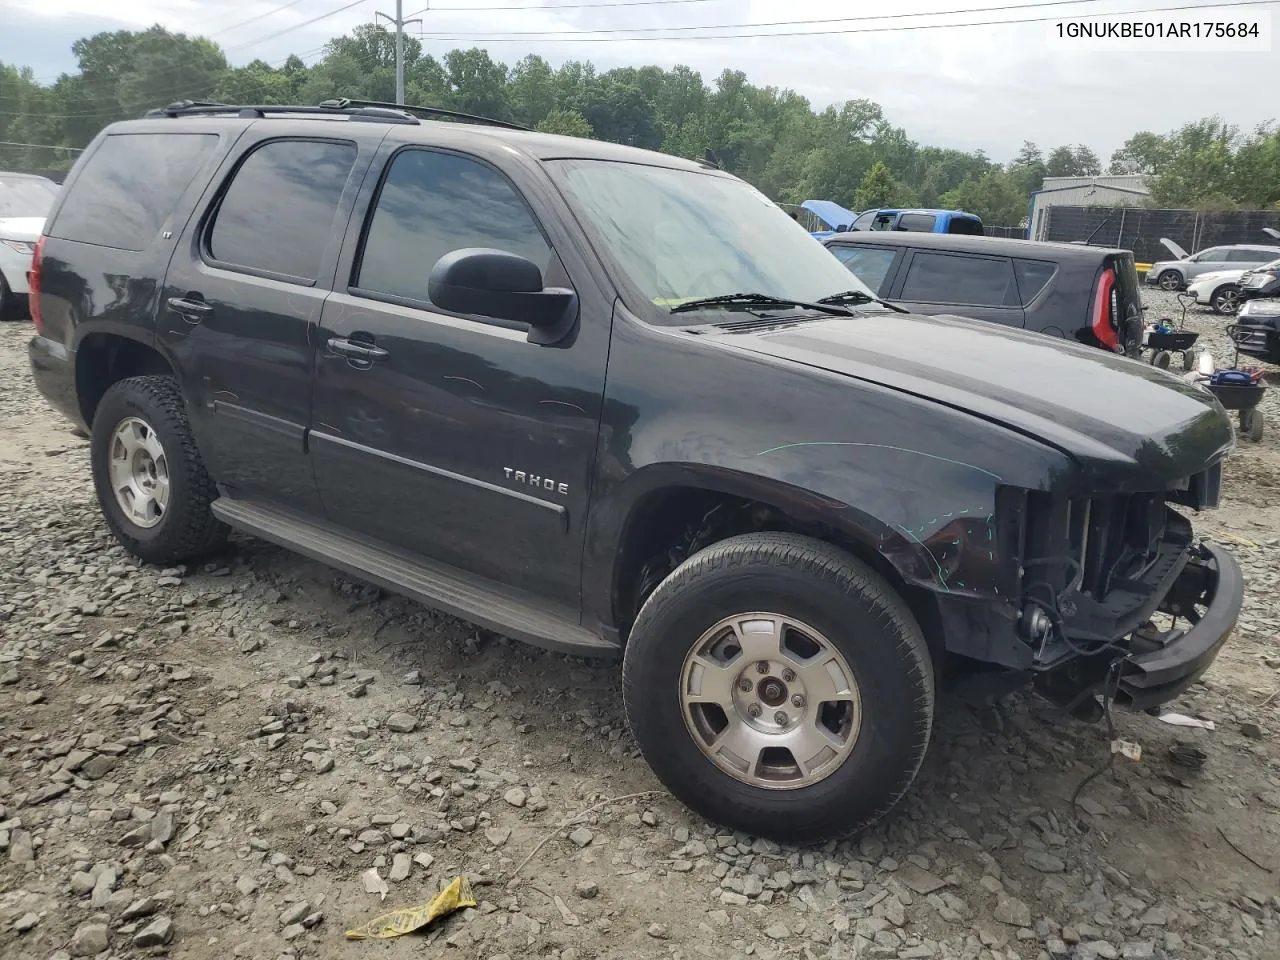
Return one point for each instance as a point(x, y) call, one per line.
point(502, 286)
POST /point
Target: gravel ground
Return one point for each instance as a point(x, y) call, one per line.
point(204, 762)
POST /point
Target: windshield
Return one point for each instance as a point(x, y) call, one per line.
point(679, 235)
point(26, 198)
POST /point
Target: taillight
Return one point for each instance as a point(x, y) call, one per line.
point(33, 285)
point(1105, 322)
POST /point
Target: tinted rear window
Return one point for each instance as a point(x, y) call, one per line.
point(277, 215)
point(129, 187)
point(965, 226)
point(1033, 275)
point(956, 278)
point(917, 222)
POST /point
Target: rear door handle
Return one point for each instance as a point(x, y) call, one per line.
point(193, 311)
point(356, 350)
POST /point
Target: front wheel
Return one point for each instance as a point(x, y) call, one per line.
point(779, 686)
point(151, 483)
point(1226, 300)
point(1169, 280)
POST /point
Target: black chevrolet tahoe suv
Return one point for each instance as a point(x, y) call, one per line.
point(619, 403)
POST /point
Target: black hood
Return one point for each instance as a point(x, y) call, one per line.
point(1107, 412)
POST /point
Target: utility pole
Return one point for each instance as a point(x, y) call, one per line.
point(400, 23)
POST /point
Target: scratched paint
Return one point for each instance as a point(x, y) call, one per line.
point(879, 446)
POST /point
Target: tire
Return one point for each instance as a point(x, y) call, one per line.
point(186, 529)
point(1251, 425)
point(1189, 358)
point(1169, 280)
point(8, 302)
point(1161, 359)
point(856, 612)
point(1226, 300)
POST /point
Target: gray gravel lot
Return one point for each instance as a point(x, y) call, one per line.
point(203, 762)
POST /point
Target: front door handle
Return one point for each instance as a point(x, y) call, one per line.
point(191, 310)
point(356, 350)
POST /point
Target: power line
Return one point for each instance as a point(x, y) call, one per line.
point(594, 36)
point(297, 26)
point(262, 16)
point(43, 146)
point(792, 23)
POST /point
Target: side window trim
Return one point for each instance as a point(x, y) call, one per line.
point(210, 217)
point(351, 285)
point(925, 251)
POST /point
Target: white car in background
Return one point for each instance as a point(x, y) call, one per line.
point(1219, 290)
point(25, 201)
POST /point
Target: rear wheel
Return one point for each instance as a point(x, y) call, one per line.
point(1161, 359)
point(1226, 300)
point(151, 484)
point(779, 686)
point(1169, 280)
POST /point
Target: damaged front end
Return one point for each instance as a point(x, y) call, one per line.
point(1117, 587)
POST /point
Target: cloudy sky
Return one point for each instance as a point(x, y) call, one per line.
point(984, 86)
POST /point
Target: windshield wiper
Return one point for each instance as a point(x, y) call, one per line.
point(857, 296)
point(730, 301)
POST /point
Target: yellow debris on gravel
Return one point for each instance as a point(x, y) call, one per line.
point(399, 922)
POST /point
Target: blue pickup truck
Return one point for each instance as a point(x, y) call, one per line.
point(825, 217)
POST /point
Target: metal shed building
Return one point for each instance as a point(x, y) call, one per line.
point(1127, 190)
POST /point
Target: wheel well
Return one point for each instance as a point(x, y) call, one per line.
point(103, 359)
point(670, 525)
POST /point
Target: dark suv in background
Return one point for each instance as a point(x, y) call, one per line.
point(619, 403)
point(1081, 293)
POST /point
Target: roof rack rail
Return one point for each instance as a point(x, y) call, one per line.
point(346, 102)
point(184, 108)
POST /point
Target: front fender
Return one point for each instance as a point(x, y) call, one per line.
point(914, 480)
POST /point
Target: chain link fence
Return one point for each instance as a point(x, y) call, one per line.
point(1140, 230)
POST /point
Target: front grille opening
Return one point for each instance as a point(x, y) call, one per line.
point(1090, 545)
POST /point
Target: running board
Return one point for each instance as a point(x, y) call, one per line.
point(481, 601)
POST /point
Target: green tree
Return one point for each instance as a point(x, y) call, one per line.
point(568, 123)
point(993, 196)
point(1077, 161)
point(1200, 166)
point(879, 188)
point(1144, 153)
point(532, 90)
point(477, 84)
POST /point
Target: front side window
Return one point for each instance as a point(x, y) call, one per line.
point(952, 278)
point(129, 188)
point(1215, 255)
point(869, 264)
point(864, 222)
point(680, 235)
point(277, 215)
point(434, 203)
